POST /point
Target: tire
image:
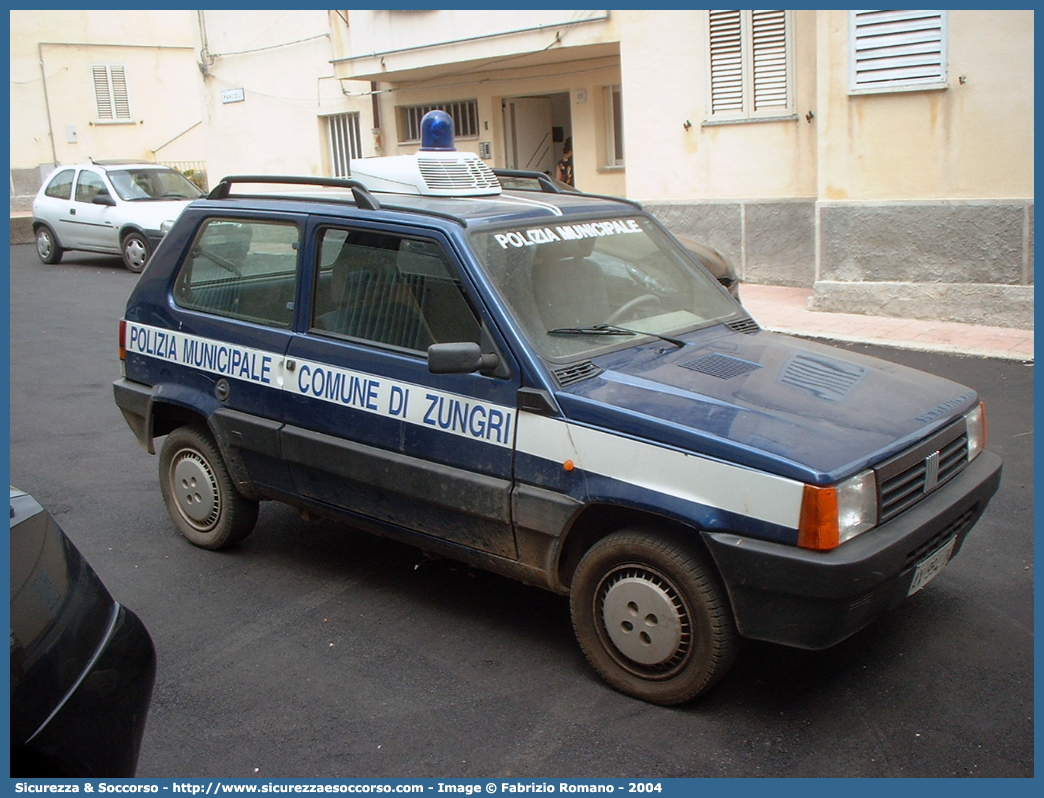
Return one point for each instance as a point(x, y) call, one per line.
point(135, 250)
point(47, 245)
point(652, 618)
point(199, 492)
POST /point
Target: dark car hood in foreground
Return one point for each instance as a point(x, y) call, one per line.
point(82, 666)
point(791, 407)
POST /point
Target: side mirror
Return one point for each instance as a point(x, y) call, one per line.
point(103, 199)
point(460, 358)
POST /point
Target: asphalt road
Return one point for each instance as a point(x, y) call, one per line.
point(316, 650)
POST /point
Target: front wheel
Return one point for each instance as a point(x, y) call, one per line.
point(135, 251)
point(652, 618)
point(199, 492)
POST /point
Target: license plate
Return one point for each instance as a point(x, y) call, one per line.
point(931, 565)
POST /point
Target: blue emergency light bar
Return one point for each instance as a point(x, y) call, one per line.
point(437, 132)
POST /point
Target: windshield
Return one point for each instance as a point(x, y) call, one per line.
point(581, 288)
point(153, 184)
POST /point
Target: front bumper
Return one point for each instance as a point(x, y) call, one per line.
point(783, 594)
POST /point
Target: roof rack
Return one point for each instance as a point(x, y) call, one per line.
point(548, 186)
point(363, 198)
point(545, 183)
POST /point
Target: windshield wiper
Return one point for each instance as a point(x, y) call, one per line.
point(612, 329)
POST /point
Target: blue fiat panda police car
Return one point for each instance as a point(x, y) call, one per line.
point(550, 387)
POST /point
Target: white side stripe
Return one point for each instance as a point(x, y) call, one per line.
point(743, 491)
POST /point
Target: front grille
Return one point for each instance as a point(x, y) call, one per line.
point(909, 477)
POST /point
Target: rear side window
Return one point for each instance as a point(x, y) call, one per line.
point(60, 186)
point(242, 270)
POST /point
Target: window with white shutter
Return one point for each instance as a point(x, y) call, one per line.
point(110, 92)
point(750, 65)
point(897, 50)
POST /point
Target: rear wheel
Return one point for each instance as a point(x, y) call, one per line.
point(47, 245)
point(652, 618)
point(135, 251)
point(199, 492)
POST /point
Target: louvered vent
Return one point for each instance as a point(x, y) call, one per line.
point(893, 49)
point(567, 375)
point(769, 53)
point(724, 367)
point(440, 174)
point(745, 325)
point(827, 378)
point(110, 92)
point(726, 61)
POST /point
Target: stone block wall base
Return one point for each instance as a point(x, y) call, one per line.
point(22, 230)
point(990, 304)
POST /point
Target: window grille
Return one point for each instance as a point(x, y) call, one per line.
point(342, 132)
point(111, 99)
point(750, 64)
point(464, 114)
point(897, 50)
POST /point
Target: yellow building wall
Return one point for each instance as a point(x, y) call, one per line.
point(664, 62)
point(53, 114)
point(973, 140)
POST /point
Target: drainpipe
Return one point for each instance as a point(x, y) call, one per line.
point(47, 104)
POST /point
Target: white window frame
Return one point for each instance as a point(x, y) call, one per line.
point(750, 71)
point(343, 132)
point(111, 93)
point(614, 141)
point(892, 51)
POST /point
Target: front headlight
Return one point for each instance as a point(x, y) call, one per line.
point(975, 422)
point(834, 514)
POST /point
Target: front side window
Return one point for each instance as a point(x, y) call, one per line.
point(241, 269)
point(60, 186)
point(750, 71)
point(581, 288)
point(89, 186)
point(391, 290)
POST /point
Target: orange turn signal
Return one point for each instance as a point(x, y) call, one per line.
point(818, 526)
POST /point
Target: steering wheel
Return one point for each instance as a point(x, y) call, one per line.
point(630, 305)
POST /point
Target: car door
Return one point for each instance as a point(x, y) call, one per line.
point(233, 304)
point(89, 223)
point(368, 428)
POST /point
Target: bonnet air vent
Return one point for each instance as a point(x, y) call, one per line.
point(744, 325)
point(567, 375)
point(824, 377)
point(723, 367)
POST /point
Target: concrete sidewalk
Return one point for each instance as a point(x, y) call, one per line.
point(785, 310)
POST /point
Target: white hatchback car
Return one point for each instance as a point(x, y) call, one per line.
point(123, 208)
